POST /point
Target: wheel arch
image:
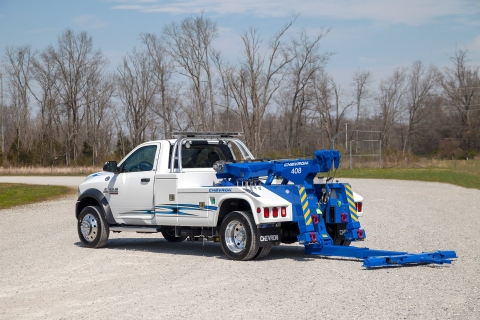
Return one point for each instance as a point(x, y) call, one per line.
point(237, 203)
point(94, 197)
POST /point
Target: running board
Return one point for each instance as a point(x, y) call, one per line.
point(134, 229)
point(381, 258)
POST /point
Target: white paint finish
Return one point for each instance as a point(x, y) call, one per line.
point(133, 196)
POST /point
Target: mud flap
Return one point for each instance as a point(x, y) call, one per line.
point(270, 236)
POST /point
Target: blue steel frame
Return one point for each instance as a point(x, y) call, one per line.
point(315, 205)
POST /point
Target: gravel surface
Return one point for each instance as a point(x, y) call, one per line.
point(46, 273)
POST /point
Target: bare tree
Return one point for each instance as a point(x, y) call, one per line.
point(391, 102)
point(190, 46)
point(98, 105)
point(19, 67)
point(168, 91)
point(329, 104)
point(306, 62)
point(422, 83)
point(361, 83)
point(47, 97)
point(255, 82)
point(77, 65)
point(137, 88)
point(461, 87)
point(228, 114)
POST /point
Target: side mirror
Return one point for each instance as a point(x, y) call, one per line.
point(111, 166)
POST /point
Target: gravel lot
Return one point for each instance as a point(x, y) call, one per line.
point(46, 273)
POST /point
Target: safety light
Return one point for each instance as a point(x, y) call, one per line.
point(313, 236)
point(259, 210)
point(359, 206)
point(315, 219)
point(343, 217)
point(275, 212)
point(266, 213)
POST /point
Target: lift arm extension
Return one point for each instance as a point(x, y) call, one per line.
point(381, 258)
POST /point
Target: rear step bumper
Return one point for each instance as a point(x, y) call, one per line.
point(381, 258)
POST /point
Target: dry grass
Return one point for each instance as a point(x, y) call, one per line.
point(56, 171)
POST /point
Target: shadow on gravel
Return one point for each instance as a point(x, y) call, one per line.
point(213, 250)
point(207, 248)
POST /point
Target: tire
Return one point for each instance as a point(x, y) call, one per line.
point(238, 236)
point(262, 253)
point(169, 234)
point(93, 229)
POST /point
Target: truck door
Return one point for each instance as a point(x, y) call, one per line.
point(130, 193)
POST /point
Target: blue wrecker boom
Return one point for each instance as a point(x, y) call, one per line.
point(321, 210)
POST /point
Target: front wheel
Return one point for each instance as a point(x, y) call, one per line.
point(238, 236)
point(92, 228)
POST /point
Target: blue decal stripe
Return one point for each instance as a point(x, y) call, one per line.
point(143, 211)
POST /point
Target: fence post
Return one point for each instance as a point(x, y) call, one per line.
point(350, 154)
point(380, 153)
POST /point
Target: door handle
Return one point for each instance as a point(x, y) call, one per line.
point(145, 180)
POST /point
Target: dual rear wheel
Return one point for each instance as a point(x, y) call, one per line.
point(238, 237)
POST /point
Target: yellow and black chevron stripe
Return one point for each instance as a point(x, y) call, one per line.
point(351, 203)
point(306, 210)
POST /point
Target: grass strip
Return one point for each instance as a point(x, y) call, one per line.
point(13, 194)
point(420, 174)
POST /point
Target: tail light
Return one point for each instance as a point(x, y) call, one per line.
point(283, 211)
point(266, 213)
point(359, 206)
point(275, 212)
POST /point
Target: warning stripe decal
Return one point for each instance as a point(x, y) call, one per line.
point(351, 203)
point(304, 202)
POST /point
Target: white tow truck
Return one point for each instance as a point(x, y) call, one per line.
point(209, 186)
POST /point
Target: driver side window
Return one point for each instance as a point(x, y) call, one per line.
point(141, 160)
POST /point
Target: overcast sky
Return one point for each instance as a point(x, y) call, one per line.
point(373, 35)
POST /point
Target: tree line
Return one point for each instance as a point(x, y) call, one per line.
point(63, 105)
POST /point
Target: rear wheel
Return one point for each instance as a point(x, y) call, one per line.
point(169, 234)
point(262, 252)
point(92, 228)
point(238, 236)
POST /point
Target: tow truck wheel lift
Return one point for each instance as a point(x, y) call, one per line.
point(318, 205)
